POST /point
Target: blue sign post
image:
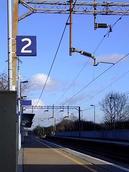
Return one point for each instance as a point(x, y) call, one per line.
point(26, 46)
point(26, 102)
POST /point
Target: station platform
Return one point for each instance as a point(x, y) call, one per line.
point(43, 156)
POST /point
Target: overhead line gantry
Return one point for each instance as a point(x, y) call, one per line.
point(81, 7)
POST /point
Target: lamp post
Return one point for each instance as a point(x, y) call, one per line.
point(19, 110)
point(22, 82)
point(54, 120)
point(79, 120)
point(94, 114)
point(79, 114)
point(20, 95)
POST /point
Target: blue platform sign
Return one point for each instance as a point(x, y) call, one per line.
point(26, 46)
point(26, 102)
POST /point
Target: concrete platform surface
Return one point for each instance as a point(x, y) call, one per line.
point(40, 156)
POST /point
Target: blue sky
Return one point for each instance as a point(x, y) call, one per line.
point(48, 30)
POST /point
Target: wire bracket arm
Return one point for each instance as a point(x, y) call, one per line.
point(84, 53)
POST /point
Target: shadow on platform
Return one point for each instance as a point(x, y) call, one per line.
point(70, 168)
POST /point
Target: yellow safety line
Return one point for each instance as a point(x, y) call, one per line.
point(72, 159)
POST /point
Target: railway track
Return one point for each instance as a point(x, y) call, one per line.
point(106, 150)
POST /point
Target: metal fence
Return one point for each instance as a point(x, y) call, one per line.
point(120, 135)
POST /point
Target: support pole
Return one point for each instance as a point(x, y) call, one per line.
point(19, 89)
point(70, 28)
point(9, 18)
point(14, 33)
point(94, 117)
point(94, 14)
point(68, 111)
point(79, 121)
point(19, 105)
point(53, 116)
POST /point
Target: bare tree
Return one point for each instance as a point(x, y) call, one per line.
point(4, 84)
point(114, 106)
point(126, 111)
point(3, 81)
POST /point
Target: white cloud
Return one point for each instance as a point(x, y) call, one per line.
point(38, 80)
point(110, 58)
point(37, 102)
point(75, 99)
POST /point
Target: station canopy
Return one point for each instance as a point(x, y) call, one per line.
point(26, 119)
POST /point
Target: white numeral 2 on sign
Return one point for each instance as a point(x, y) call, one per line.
point(23, 50)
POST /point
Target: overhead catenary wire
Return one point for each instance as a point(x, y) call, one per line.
point(117, 79)
point(60, 45)
point(55, 56)
point(107, 34)
point(84, 87)
point(97, 47)
point(110, 84)
point(101, 41)
point(73, 81)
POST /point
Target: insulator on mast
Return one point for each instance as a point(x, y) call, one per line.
point(101, 25)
